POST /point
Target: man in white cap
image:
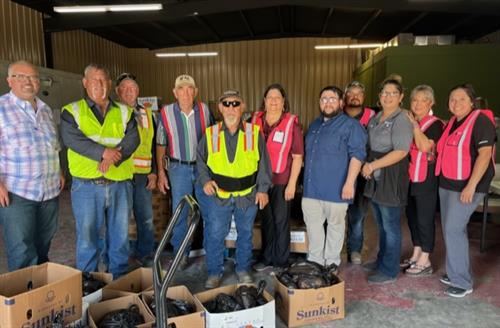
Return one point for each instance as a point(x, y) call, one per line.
point(182, 125)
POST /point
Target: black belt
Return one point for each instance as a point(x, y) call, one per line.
point(100, 181)
point(175, 160)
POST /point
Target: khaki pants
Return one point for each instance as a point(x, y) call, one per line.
point(315, 213)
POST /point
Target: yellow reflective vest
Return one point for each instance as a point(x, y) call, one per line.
point(142, 157)
point(244, 167)
point(109, 134)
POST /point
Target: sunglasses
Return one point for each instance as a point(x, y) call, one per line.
point(234, 103)
point(125, 76)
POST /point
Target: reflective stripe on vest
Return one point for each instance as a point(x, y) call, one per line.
point(418, 159)
point(142, 156)
point(109, 134)
point(368, 113)
point(278, 149)
point(454, 158)
point(246, 156)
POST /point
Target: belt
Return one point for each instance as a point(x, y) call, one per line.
point(175, 160)
point(101, 181)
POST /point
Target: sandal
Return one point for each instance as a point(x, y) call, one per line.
point(419, 270)
point(407, 263)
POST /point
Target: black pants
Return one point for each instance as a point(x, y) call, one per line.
point(275, 228)
point(421, 211)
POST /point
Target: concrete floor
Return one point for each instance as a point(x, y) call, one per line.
point(410, 302)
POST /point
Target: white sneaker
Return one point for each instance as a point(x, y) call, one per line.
point(355, 258)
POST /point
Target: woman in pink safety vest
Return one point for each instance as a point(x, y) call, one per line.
point(285, 145)
point(465, 168)
point(423, 191)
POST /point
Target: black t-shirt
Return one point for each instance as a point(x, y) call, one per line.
point(430, 184)
point(483, 134)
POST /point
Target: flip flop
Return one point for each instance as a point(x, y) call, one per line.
point(407, 263)
point(419, 270)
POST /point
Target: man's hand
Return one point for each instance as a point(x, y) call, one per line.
point(152, 179)
point(366, 171)
point(163, 182)
point(104, 165)
point(112, 154)
point(289, 191)
point(261, 199)
point(62, 181)
point(210, 188)
point(4, 196)
point(348, 191)
point(467, 194)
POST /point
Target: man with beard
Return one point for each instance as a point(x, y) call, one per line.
point(101, 136)
point(354, 100)
point(335, 149)
point(235, 171)
point(30, 176)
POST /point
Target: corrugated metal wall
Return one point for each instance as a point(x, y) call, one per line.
point(21, 33)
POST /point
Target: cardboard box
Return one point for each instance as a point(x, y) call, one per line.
point(299, 242)
point(230, 241)
point(196, 319)
point(133, 282)
point(298, 307)
point(33, 296)
point(97, 311)
point(260, 316)
point(84, 320)
point(96, 296)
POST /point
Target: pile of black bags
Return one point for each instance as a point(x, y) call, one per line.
point(306, 275)
point(90, 284)
point(175, 308)
point(125, 318)
point(245, 297)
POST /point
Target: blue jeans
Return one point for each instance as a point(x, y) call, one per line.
point(28, 229)
point(182, 179)
point(143, 214)
point(217, 227)
point(389, 224)
point(355, 221)
point(96, 207)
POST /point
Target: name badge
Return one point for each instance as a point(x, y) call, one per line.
point(279, 136)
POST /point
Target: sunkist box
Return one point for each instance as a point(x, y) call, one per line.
point(133, 282)
point(259, 316)
point(33, 296)
point(97, 311)
point(298, 307)
point(192, 320)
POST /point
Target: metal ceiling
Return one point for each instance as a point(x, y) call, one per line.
point(191, 22)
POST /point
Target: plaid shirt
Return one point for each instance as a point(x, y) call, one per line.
point(29, 149)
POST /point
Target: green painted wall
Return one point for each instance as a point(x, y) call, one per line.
point(441, 67)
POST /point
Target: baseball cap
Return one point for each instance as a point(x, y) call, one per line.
point(230, 93)
point(184, 79)
point(125, 76)
point(355, 84)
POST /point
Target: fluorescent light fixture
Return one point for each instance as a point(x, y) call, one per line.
point(105, 8)
point(348, 46)
point(170, 54)
point(202, 54)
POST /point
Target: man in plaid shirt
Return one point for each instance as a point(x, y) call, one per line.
point(30, 175)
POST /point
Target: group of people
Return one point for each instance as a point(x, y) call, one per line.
point(237, 169)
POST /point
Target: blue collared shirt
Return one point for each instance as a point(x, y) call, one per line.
point(330, 145)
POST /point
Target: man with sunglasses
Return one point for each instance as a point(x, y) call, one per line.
point(182, 125)
point(235, 171)
point(30, 175)
point(144, 180)
point(101, 136)
point(335, 144)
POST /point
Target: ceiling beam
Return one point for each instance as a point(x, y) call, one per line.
point(247, 25)
point(327, 19)
point(280, 20)
point(459, 23)
point(209, 28)
point(292, 19)
point(370, 20)
point(176, 10)
point(170, 33)
point(133, 37)
point(413, 22)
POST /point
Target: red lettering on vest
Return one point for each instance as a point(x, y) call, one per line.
point(279, 142)
point(454, 157)
point(368, 113)
point(418, 159)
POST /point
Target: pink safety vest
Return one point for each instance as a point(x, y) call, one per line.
point(279, 142)
point(368, 113)
point(418, 159)
point(454, 158)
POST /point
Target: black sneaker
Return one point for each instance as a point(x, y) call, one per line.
point(380, 279)
point(370, 266)
point(262, 267)
point(445, 280)
point(457, 291)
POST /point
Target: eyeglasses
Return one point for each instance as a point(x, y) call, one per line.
point(234, 103)
point(389, 94)
point(125, 76)
point(25, 78)
point(326, 100)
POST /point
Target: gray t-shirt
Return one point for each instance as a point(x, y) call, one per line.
point(395, 133)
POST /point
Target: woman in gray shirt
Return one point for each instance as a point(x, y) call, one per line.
point(386, 169)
